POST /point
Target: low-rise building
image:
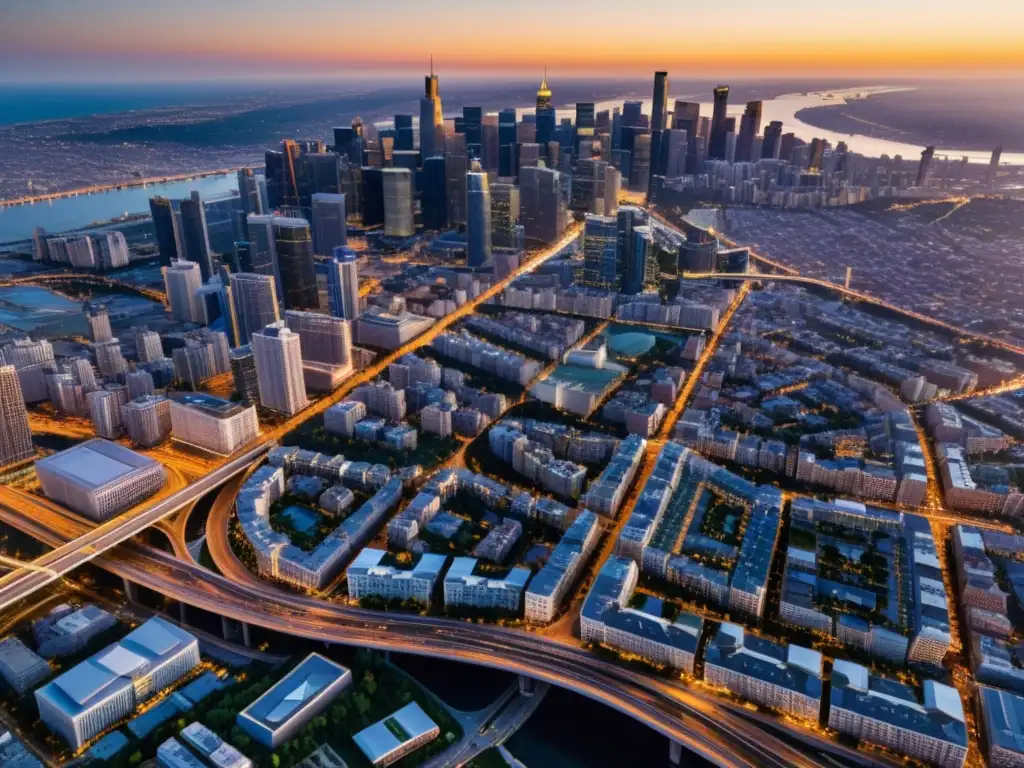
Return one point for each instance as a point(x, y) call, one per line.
point(368, 577)
point(464, 587)
point(173, 754)
point(397, 735)
point(294, 700)
point(1002, 727)
point(888, 713)
point(20, 666)
point(218, 752)
point(65, 630)
point(552, 582)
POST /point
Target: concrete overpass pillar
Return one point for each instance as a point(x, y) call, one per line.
point(225, 628)
point(246, 637)
point(527, 686)
point(183, 614)
point(131, 590)
point(675, 752)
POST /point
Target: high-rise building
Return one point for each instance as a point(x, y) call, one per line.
point(105, 413)
point(771, 148)
point(456, 166)
point(148, 346)
point(324, 339)
point(399, 217)
point(504, 215)
point(330, 230)
point(164, 226)
point(139, 383)
point(472, 127)
point(109, 360)
point(750, 127)
point(641, 264)
point(659, 109)
point(434, 204)
point(373, 196)
point(716, 147)
point(99, 324)
point(343, 284)
point(225, 224)
point(114, 251)
point(612, 186)
point(255, 298)
point(925, 168)
point(544, 93)
point(817, 155)
point(181, 281)
point(249, 192)
point(993, 166)
point(194, 234)
point(82, 370)
point(478, 226)
point(15, 435)
point(293, 246)
point(243, 373)
point(506, 142)
point(277, 352)
point(640, 168)
point(542, 207)
point(600, 265)
point(431, 117)
point(147, 420)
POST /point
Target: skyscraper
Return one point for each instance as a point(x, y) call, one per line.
point(99, 324)
point(277, 352)
point(330, 229)
point(659, 110)
point(398, 203)
point(194, 234)
point(283, 247)
point(404, 139)
point(993, 166)
point(456, 165)
point(105, 413)
point(324, 339)
point(542, 208)
point(600, 237)
point(506, 142)
point(504, 215)
point(544, 93)
point(750, 127)
point(585, 123)
point(772, 146)
point(181, 281)
point(546, 122)
point(635, 261)
point(243, 373)
point(431, 117)
point(255, 298)
point(109, 359)
point(249, 191)
point(225, 223)
point(162, 211)
point(640, 168)
point(434, 203)
point(148, 346)
point(925, 168)
point(472, 126)
point(373, 196)
point(15, 436)
point(343, 284)
point(478, 225)
point(716, 148)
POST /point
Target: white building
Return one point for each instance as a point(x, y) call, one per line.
point(147, 420)
point(552, 583)
point(181, 281)
point(87, 699)
point(383, 747)
point(462, 587)
point(278, 355)
point(213, 747)
point(212, 424)
point(367, 577)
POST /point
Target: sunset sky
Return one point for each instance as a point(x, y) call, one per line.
point(126, 40)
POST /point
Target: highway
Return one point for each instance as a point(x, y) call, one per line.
point(713, 729)
point(68, 556)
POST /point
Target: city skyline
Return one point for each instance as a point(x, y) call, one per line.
point(236, 40)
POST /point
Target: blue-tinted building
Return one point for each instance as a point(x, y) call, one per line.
point(435, 200)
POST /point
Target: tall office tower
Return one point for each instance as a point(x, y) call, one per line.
point(194, 234)
point(225, 223)
point(181, 281)
point(249, 192)
point(99, 324)
point(993, 166)
point(283, 247)
point(404, 136)
point(716, 147)
point(147, 420)
point(241, 260)
point(699, 252)
point(82, 370)
point(587, 180)
point(640, 168)
point(686, 117)
point(398, 203)
point(105, 413)
point(632, 114)
point(431, 117)
point(478, 225)
point(529, 157)
point(40, 251)
point(456, 165)
point(817, 156)
point(633, 246)
point(506, 142)
point(148, 346)
point(659, 109)
point(282, 175)
point(255, 299)
point(504, 215)
point(434, 204)
point(139, 383)
point(750, 127)
point(585, 123)
point(599, 252)
point(489, 129)
point(343, 284)
point(164, 226)
point(324, 339)
point(542, 208)
point(330, 229)
point(612, 186)
point(673, 153)
point(925, 168)
point(243, 372)
point(771, 147)
point(544, 93)
point(113, 250)
point(787, 144)
point(472, 126)
point(730, 140)
point(546, 127)
point(277, 352)
point(109, 360)
point(15, 436)
point(373, 196)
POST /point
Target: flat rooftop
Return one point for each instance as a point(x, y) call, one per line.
point(380, 739)
point(208, 404)
point(292, 692)
point(95, 463)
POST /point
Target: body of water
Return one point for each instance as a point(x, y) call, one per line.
point(27, 307)
point(304, 519)
point(593, 379)
point(18, 222)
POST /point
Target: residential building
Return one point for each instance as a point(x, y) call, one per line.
point(367, 577)
point(277, 352)
point(211, 423)
point(15, 435)
point(464, 587)
point(147, 420)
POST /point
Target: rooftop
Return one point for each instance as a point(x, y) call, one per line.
point(292, 692)
point(208, 404)
point(379, 740)
point(95, 463)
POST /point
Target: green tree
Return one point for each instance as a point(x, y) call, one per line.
point(136, 758)
point(275, 760)
point(369, 683)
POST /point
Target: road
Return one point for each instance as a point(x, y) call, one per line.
point(64, 277)
point(713, 729)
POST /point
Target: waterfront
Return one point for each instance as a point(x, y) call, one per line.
point(48, 314)
point(17, 223)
